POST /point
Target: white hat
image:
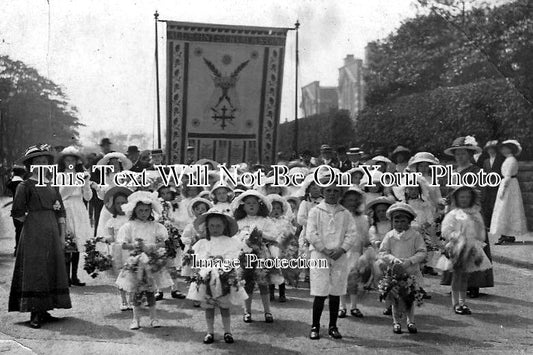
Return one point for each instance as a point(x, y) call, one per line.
point(400, 206)
point(146, 197)
point(381, 159)
point(217, 186)
point(126, 163)
point(468, 143)
point(380, 200)
point(197, 200)
point(516, 146)
point(72, 151)
point(422, 157)
point(239, 200)
point(270, 181)
point(287, 210)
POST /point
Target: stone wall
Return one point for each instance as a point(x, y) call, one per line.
point(525, 178)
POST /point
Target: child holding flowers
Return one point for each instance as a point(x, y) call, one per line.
point(403, 249)
point(217, 287)
point(144, 271)
point(251, 210)
point(464, 230)
point(114, 199)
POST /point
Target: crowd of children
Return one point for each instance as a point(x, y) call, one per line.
point(372, 238)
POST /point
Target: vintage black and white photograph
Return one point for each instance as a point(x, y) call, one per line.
point(266, 177)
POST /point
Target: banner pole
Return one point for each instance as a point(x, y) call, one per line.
point(156, 16)
point(295, 140)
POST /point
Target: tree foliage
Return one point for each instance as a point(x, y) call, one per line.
point(334, 128)
point(460, 69)
point(33, 110)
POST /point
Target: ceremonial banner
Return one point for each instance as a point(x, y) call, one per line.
point(224, 91)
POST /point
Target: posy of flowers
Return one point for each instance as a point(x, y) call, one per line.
point(95, 260)
point(150, 258)
point(397, 285)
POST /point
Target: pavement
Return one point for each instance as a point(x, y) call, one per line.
point(519, 253)
point(501, 323)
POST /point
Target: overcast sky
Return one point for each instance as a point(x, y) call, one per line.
point(102, 52)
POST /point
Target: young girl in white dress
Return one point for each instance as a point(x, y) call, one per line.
point(78, 224)
point(251, 210)
point(353, 200)
point(218, 244)
point(464, 230)
point(144, 233)
point(114, 199)
point(405, 246)
point(508, 218)
point(191, 234)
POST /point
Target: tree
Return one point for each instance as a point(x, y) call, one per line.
point(33, 109)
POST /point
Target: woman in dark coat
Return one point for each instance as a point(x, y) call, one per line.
point(40, 280)
point(463, 150)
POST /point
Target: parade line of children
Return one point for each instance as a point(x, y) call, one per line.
point(375, 239)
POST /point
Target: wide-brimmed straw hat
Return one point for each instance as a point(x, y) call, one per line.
point(514, 145)
point(422, 157)
point(232, 223)
point(468, 143)
point(196, 201)
point(126, 163)
point(491, 144)
point(37, 150)
point(109, 197)
point(400, 149)
point(239, 200)
point(217, 186)
point(287, 210)
point(70, 151)
point(146, 197)
point(401, 207)
point(354, 151)
point(381, 159)
point(270, 181)
point(380, 200)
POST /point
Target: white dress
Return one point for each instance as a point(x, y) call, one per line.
point(223, 206)
point(118, 254)
point(105, 215)
point(78, 222)
point(229, 249)
point(150, 232)
point(508, 217)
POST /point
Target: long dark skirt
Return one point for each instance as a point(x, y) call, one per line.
point(475, 279)
point(40, 280)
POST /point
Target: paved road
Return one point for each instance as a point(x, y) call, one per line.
point(502, 323)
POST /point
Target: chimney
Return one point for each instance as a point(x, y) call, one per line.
point(349, 60)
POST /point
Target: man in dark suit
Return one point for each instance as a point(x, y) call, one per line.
point(345, 163)
point(327, 156)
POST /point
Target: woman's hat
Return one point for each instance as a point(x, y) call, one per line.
point(376, 178)
point(70, 151)
point(270, 181)
point(326, 148)
point(126, 163)
point(196, 201)
point(205, 194)
point(380, 200)
point(109, 197)
point(146, 197)
point(105, 141)
point(217, 186)
point(354, 151)
point(468, 143)
point(239, 200)
point(491, 144)
point(401, 207)
point(400, 149)
point(514, 145)
point(37, 150)
point(232, 223)
point(422, 157)
point(354, 189)
point(381, 159)
point(287, 210)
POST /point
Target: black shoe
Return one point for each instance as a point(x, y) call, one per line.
point(247, 317)
point(501, 241)
point(342, 313)
point(228, 338)
point(315, 333)
point(77, 282)
point(177, 294)
point(47, 317)
point(397, 328)
point(411, 327)
point(35, 321)
point(269, 318)
point(158, 296)
point(282, 299)
point(462, 310)
point(334, 333)
point(356, 313)
point(209, 338)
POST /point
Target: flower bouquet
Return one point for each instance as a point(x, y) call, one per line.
point(289, 250)
point(95, 260)
point(70, 243)
point(399, 287)
point(361, 275)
